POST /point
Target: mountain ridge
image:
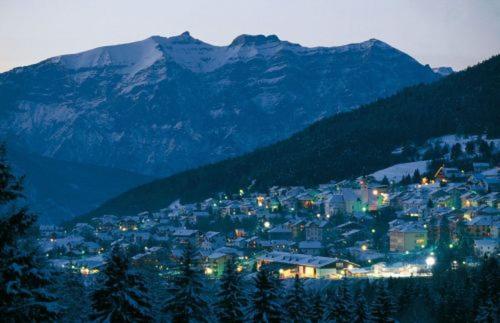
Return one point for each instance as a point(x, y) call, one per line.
point(163, 105)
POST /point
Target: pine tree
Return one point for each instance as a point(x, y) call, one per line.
point(427, 306)
point(23, 279)
point(406, 298)
point(265, 305)
point(488, 313)
point(456, 151)
point(231, 300)
point(417, 178)
point(316, 309)
point(382, 310)
point(444, 252)
point(470, 147)
point(186, 299)
point(295, 302)
point(484, 149)
point(465, 243)
point(385, 181)
point(406, 295)
point(341, 305)
point(73, 296)
point(487, 286)
point(360, 312)
point(122, 297)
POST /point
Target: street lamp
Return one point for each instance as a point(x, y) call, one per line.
point(430, 261)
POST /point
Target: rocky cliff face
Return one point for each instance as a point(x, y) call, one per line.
point(162, 105)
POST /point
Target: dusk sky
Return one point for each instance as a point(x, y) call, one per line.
point(452, 33)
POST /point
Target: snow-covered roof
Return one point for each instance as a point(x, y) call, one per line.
point(310, 245)
point(298, 259)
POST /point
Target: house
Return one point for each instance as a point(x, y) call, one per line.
point(312, 248)
point(486, 247)
point(306, 266)
point(318, 230)
point(351, 200)
point(280, 233)
point(282, 245)
point(239, 242)
point(480, 167)
point(297, 227)
point(363, 254)
point(483, 226)
point(216, 261)
point(451, 172)
point(334, 204)
point(214, 240)
point(183, 236)
point(407, 237)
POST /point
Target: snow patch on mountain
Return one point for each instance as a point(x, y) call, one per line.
point(133, 57)
point(396, 172)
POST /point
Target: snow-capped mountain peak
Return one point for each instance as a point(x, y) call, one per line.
point(131, 57)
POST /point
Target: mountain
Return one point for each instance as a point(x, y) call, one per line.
point(346, 145)
point(443, 70)
point(163, 105)
point(58, 190)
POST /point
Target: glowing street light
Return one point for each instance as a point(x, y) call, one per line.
point(267, 224)
point(430, 261)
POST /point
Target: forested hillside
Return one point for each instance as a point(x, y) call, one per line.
point(343, 146)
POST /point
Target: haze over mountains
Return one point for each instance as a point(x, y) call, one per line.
point(163, 105)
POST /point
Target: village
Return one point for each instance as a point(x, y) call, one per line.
point(353, 228)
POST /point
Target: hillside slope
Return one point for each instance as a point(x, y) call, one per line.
point(346, 145)
point(58, 190)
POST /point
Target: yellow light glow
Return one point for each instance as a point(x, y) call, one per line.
point(209, 271)
point(260, 200)
point(267, 224)
point(375, 192)
point(364, 247)
point(430, 261)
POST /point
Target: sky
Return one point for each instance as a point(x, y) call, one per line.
point(456, 33)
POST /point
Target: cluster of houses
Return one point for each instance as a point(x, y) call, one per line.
point(328, 231)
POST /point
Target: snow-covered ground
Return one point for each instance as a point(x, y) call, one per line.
point(396, 172)
point(451, 140)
